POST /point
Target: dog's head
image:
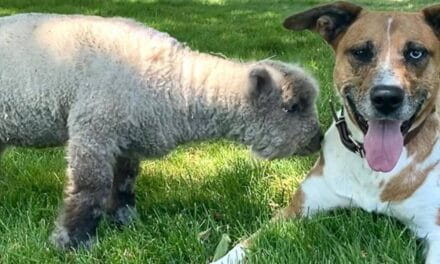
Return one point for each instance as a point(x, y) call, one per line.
point(387, 70)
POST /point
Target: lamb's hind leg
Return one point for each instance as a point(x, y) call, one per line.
point(121, 207)
point(2, 148)
point(90, 171)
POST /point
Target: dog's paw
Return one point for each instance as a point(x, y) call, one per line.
point(237, 255)
point(123, 215)
point(62, 240)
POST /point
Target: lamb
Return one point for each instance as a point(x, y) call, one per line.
point(116, 91)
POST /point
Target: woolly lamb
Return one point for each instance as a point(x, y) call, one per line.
point(116, 91)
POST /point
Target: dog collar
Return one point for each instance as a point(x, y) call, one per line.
point(344, 134)
point(352, 144)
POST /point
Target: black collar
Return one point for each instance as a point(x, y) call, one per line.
point(344, 134)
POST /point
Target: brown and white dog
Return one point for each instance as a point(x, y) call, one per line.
point(385, 157)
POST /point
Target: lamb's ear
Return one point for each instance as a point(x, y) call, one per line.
point(259, 78)
point(328, 20)
point(432, 16)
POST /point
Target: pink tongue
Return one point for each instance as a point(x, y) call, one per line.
point(383, 144)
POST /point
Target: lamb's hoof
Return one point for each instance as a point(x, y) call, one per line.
point(123, 215)
point(62, 240)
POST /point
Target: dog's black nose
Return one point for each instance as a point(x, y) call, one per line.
point(387, 98)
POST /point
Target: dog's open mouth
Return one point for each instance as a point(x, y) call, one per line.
point(383, 140)
point(363, 124)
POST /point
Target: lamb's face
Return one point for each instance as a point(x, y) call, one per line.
point(282, 105)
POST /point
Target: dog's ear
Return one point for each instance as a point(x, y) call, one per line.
point(259, 79)
point(432, 16)
point(328, 20)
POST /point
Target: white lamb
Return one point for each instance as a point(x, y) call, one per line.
point(117, 91)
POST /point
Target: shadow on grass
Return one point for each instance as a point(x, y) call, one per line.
point(234, 193)
point(173, 209)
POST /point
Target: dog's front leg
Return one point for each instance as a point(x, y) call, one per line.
point(312, 196)
point(90, 171)
point(433, 250)
point(237, 254)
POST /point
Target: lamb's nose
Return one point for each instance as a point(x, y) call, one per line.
point(387, 98)
point(315, 142)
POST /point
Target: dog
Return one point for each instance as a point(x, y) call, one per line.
point(382, 153)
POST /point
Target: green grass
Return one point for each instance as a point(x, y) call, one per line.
point(200, 191)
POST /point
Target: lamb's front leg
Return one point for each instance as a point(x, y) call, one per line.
point(121, 207)
point(90, 172)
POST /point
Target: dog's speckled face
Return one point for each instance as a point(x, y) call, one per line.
point(387, 70)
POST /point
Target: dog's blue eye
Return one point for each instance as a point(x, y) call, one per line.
point(416, 54)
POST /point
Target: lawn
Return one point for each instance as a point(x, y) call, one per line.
point(188, 199)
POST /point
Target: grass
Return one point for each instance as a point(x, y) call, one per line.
point(200, 191)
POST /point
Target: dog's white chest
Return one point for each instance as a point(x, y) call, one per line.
point(350, 176)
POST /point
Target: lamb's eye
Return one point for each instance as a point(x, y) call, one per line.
point(291, 109)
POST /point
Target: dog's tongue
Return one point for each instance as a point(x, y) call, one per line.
point(383, 144)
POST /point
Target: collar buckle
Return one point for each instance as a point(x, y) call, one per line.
point(344, 134)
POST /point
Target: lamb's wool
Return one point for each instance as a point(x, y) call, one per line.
point(117, 91)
